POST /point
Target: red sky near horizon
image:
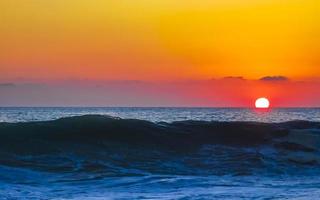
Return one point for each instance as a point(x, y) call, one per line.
point(86, 52)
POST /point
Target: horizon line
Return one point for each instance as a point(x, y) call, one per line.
point(177, 107)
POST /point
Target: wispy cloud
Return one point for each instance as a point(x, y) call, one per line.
point(7, 85)
point(240, 78)
point(274, 78)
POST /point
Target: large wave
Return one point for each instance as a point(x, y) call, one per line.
point(115, 147)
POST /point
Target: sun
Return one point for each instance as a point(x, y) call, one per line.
point(262, 103)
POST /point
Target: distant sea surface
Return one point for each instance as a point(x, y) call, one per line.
point(163, 114)
point(159, 153)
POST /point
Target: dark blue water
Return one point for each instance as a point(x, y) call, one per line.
point(159, 153)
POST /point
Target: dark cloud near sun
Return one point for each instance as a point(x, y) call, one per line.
point(274, 78)
point(240, 78)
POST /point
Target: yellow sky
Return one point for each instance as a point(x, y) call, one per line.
point(159, 39)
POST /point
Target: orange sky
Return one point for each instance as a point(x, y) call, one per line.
point(159, 40)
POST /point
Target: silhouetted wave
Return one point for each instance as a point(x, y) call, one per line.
point(108, 146)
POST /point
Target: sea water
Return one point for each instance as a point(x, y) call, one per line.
point(159, 153)
point(157, 114)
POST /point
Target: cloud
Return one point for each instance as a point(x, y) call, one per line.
point(7, 85)
point(274, 78)
point(240, 78)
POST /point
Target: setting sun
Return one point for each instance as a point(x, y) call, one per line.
point(262, 103)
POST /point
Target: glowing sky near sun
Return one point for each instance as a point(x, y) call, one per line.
point(158, 40)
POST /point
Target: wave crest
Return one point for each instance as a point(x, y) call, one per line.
point(116, 145)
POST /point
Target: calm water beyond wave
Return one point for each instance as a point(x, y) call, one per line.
point(159, 153)
point(164, 114)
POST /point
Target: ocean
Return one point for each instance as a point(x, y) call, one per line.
point(159, 153)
